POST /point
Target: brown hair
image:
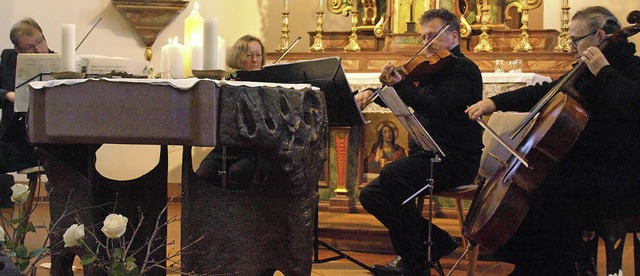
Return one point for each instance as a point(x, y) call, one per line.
point(26, 26)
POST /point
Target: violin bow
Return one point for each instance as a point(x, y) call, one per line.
point(85, 37)
point(287, 50)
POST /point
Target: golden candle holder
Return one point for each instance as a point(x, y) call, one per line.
point(317, 39)
point(284, 39)
point(353, 38)
point(483, 43)
point(523, 45)
point(564, 42)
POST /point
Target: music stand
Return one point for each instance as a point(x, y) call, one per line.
point(342, 110)
point(426, 143)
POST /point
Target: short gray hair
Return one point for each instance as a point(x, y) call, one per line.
point(598, 18)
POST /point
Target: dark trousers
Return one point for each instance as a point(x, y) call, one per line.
point(240, 168)
point(15, 157)
point(398, 180)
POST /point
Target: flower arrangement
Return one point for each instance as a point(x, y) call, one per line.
point(117, 261)
point(17, 228)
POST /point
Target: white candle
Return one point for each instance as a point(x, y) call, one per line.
point(176, 59)
point(286, 6)
point(320, 5)
point(196, 56)
point(210, 44)
point(565, 3)
point(222, 54)
point(164, 64)
point(68, 47)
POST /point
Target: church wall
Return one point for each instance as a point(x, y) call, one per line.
point(263, 18)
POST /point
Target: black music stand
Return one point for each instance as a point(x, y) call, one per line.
point(342, 110)
point(427, 144)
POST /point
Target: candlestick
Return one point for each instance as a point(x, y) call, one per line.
point(68, 47)
point(210, 45)
point(523, 45)
point(353, 38)
point(564, 42)
point(284, 39)
point(483, 43)
point(317, 39)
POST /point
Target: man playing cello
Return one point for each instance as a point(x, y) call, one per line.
point(598, 177)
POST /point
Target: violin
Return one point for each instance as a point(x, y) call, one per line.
point(418, 65)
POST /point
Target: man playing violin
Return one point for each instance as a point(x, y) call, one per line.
point(599, 177)
point(439, 98)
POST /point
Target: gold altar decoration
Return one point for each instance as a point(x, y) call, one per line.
point(564, 42)
point(284, 39)
point(347, 7)
point(317, 39)
point(149, 18)
point(523, 45)
point(461, 8)
point(483, 44)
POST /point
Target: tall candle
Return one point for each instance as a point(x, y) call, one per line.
point(286, 6)
point(193, 26)
point(565, 3)
point(320, 5)
point(68, 47)
point(210, 44)
point(222, 54)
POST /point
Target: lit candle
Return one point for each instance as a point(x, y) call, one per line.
point(164, 60)
point(175, 54)
point(286, 6)
point(320, 5)
point(68, 47)
point(210, 44)
point(193, 28)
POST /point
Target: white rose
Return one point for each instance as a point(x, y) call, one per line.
point(20, 193)
point(73, 235)
point(2, 234)
point(114, 226)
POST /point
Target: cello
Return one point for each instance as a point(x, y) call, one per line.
point(551, 129)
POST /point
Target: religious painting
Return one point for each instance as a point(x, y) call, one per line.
point(385, 141)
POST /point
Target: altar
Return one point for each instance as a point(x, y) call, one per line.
point(253, 231)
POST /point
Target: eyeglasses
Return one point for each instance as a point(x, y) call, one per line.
point(574, 42)
point(32, 48)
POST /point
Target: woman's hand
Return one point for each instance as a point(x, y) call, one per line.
point(594, 59)
point(484, 107)
point(362, 98)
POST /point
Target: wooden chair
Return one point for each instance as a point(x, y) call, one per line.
point(460, 193)
point(613, 234)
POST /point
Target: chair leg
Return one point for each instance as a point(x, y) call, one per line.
point(613, 234)
point(636, 252)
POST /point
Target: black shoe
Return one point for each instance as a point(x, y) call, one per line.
point(394, 267)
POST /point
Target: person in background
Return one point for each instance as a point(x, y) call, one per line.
point(246, 54)
point(598, 178)
point(15, 151)
point(439, 100)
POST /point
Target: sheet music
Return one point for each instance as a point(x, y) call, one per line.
point(409, 121)
point(29, 66)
